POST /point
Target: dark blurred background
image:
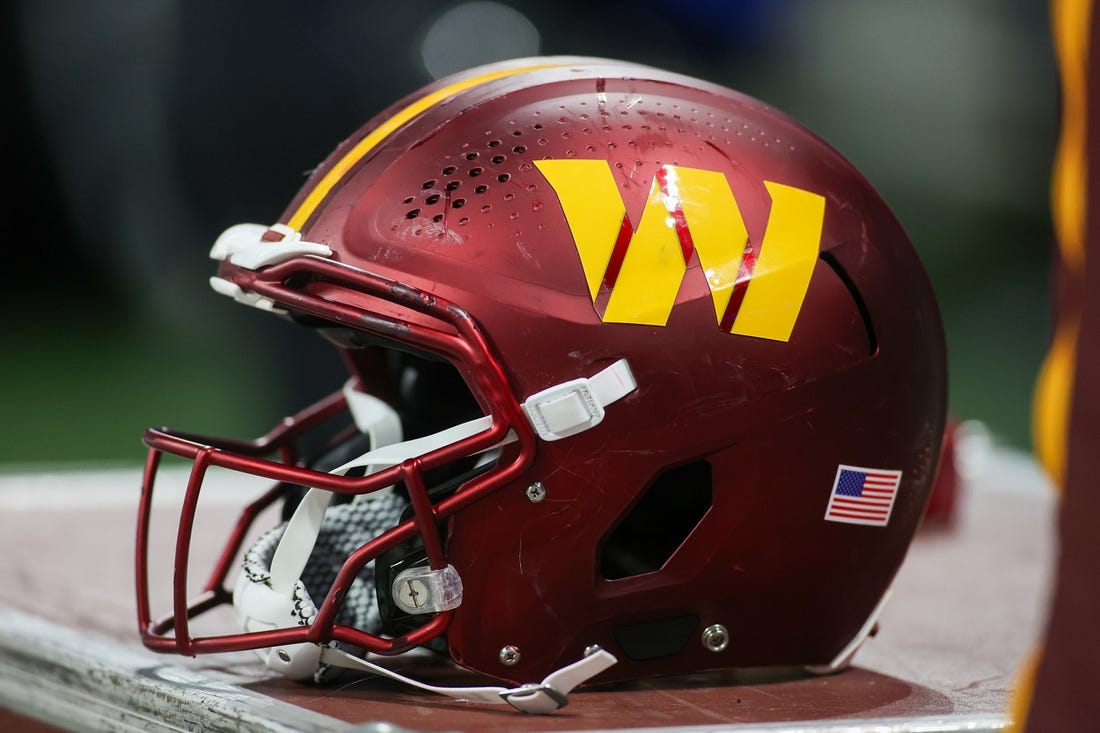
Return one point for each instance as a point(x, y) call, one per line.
point(136, 131)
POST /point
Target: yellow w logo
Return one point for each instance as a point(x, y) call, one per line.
point(634, 273)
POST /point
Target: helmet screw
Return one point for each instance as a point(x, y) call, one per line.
point(283, 655)
point(716, 638)
point(591, 649)
point(509, 656)
point(536, 492)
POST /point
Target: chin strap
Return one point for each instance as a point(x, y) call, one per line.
point(381, 424)
point(545, 697)
point(555, 413)
point(278, 598)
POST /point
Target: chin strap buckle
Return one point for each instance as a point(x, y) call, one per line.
point(577, 405)
point(535, 698)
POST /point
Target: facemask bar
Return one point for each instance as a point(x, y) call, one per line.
point(465, 347)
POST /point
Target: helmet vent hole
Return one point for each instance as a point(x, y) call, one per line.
point(428, 184)
point(475, 172)
point(448, 171)
point(412, 214)
point(434, 198)
point(481, 189)
point(458, 203)
point(452, 185)
point(658, 523)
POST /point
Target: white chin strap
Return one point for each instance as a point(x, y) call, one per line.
point(545, 697)
point(278, 598)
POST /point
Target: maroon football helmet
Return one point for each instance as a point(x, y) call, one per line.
point(636, 362)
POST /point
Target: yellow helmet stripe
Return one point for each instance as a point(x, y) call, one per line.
point(380, 133)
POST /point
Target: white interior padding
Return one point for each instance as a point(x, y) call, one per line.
point(345, 528)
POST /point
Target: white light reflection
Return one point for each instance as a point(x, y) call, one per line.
point(476, 33)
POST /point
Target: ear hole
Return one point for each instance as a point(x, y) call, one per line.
point(655, 526)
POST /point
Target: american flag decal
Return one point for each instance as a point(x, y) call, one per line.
point(863, 495)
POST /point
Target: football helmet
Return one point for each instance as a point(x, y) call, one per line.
point(637, 363)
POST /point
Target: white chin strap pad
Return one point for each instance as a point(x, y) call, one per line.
point(261, 608)
point(270, 593)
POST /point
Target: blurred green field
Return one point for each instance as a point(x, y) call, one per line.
point(81, 392)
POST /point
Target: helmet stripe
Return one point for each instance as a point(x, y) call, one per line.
point(380, 133)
